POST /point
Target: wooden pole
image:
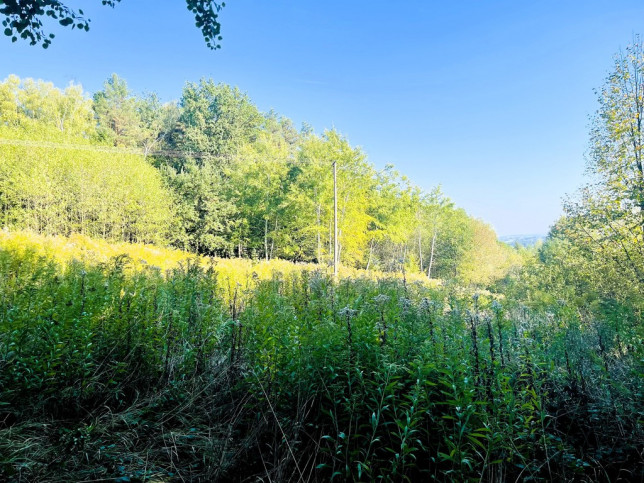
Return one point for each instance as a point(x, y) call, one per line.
point(336, 260)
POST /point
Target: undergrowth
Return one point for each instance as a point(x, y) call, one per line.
point(109, 373)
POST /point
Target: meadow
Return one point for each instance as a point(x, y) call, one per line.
point(168, 309)
point(130, 363)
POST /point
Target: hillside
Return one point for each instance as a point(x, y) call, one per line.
point(115, 369)
point(214, 176)
point(523, 240)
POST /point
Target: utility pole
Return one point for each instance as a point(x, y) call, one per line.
point(336, 258)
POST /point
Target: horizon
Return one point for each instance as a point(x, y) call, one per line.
point(479, 101)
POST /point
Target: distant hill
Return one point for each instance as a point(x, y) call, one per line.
point(524, 240)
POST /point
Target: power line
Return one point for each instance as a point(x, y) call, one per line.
point(108, 149)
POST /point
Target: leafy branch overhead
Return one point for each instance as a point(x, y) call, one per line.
point(24, 19)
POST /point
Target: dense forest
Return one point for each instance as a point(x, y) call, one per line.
point(167, 312)
point(213, 175)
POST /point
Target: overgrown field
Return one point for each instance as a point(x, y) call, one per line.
point(230, 271)
point(116, 370)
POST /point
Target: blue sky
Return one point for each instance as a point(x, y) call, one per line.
point(489, 99)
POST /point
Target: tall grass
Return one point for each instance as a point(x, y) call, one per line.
point(112, 368)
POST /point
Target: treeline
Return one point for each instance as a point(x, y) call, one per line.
point(214, 175)
point(592, 263)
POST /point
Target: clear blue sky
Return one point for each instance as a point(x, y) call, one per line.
point(489, 99)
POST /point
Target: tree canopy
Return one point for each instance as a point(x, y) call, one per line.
point(604, 222)
point(24, 19)
point(594, 255)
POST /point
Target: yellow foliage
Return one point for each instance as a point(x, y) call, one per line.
point(487, 259)
point(231, 271)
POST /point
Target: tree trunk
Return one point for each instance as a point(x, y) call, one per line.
point(266, 238)
point(318, 234)
point(370, 253)
point(420, 250)
point(273, 238)
point(331, 236)
point(431, 257)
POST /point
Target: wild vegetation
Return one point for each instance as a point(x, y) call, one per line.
point(438, 353)
point(116, 371)
point(214, 176)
